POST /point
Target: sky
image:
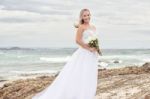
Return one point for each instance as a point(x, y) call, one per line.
point(49, 23)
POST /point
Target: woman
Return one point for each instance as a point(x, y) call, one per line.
point(78, 78)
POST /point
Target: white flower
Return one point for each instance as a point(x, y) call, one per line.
point(94, 37)
point(91, 38)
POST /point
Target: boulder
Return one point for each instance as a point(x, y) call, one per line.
point(146, 67)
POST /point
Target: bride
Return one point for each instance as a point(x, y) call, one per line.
point(78, 78)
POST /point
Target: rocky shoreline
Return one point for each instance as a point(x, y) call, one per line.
point(132, 82)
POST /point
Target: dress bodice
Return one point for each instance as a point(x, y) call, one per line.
point(87, 33)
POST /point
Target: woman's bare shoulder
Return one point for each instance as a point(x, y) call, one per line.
point(93, 26)
point(81, 26)
point(80, 29)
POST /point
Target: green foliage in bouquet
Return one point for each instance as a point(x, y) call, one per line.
point(94, 43)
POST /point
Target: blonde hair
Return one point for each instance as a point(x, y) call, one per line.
point(81, 21)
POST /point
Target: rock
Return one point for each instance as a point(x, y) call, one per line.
point(57, 74)
point(124, 71)
point(23, 88)
point(7, 84)
point(147, 96)
point(146, 67)
point(2, 80)
point(146, 64)
point(109, 78)
point(116, 61)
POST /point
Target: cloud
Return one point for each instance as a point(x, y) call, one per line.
point(42, 7)
point(49, 22)
point(17, 16)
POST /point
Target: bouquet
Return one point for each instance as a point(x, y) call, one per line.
point(93, 42)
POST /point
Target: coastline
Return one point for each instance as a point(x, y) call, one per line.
point(132, 82)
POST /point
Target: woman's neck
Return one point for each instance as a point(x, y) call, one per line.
point(87, 24)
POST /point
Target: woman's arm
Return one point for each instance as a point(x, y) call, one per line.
point(79, 35)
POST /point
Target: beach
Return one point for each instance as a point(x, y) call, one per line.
point(39, 37)
point(130, 82)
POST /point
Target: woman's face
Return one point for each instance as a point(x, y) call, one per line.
point(86, 16)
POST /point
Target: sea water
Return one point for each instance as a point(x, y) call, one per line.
point(23, 62)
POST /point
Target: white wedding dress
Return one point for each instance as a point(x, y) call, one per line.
point(77, 79)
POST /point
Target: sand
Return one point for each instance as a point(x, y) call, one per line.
point(132, 82)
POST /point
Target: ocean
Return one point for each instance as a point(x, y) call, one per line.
point(22, 62)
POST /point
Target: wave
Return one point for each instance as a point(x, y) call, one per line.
point(146, 60)
point(118, 56)
point(27, 73)
point(1, 53)
point(102, 64)
point(55, 59)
